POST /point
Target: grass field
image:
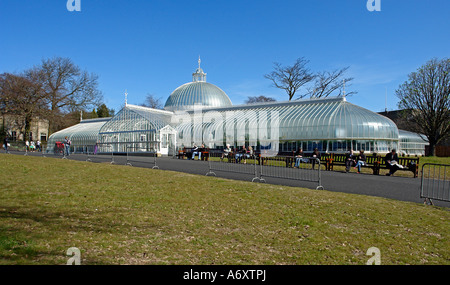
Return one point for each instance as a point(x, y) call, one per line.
point(123, 215)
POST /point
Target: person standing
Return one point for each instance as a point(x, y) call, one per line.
point(38, 146)
point(67, 146)
point(6, 143)
point(27, 145)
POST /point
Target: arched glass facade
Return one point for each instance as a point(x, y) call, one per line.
point(332, 125)
point(83, 135)
point(201, 113)
point(412, 143)
point(134, 127)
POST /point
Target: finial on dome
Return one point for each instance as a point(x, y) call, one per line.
point(126, 95)
point(199, 75)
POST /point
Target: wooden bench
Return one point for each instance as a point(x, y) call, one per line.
point(408, 163)
point(289, 159)
point(375, 163)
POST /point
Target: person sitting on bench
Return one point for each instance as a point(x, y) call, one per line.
point(361, 160)
point(240, 154)
point(226, 151)
point(392, 162)
point(315, 156)
point(349, 160)
point(298, 157)
point(196, 151)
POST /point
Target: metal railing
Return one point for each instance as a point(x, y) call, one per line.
point(435, 182)
point(302, 169)
point(140, 156)
point(237, 163)
point(93, 154)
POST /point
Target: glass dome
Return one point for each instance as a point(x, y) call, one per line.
point(197, 92)
point(193, 93)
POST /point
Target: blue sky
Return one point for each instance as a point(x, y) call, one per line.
point(152, 46)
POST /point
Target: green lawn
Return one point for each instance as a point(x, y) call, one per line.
point(124, 215)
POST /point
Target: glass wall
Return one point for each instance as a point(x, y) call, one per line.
point(412, 143)
point(330, 125)
point(83, 136)
point(133, 129)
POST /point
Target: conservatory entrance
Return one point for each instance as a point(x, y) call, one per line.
point(168, 139)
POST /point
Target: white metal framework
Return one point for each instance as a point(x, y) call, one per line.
point(134, 127)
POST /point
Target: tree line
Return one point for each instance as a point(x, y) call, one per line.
point(57, 90)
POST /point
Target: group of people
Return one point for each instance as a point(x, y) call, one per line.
point(33, 146)
point(301, 158)
point(242, 154)
point(29, 146)
point(357, 161)
point(197, 151)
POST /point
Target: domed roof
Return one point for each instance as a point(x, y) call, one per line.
point(198, 92)
point(190, 94)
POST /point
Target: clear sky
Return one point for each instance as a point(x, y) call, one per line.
point(152, 46)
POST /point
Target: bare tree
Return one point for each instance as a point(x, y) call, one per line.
point(67, 87)
point(21, 97)
point(258, 99)
point(427, 94)
point(291, 78)
point(152, 102)
point(329, 83)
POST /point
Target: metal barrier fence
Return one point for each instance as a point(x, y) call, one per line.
point(105, 155)
point(237, 163)
point(435, 182)
point(138, 155)
point(303, 169)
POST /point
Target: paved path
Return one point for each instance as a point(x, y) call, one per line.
point(392, 187)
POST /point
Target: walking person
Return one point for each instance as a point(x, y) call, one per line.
point(38, 146)
point(6, 144)
point(27, 145)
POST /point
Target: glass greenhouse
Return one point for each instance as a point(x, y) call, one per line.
point(134, 129)
point(83, 135)
point(412, 143)
point(331, 125)
point(201, 113)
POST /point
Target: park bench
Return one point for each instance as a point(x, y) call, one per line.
point(187, 153)
point(289, 158)
point(408, 163)
point(375, 162)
